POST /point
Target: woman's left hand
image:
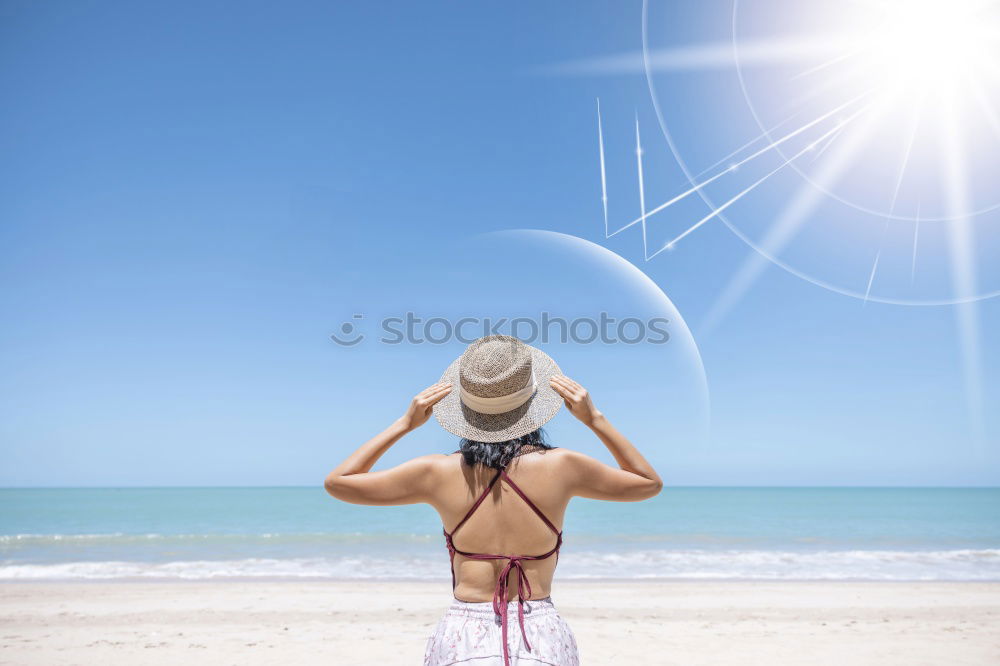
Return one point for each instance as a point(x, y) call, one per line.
point(422, 405)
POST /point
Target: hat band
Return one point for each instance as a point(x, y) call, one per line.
point(500, 404)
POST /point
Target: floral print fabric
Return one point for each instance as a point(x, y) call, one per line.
point(469, 634)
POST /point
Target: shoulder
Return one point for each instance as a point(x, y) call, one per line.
point(564, 456)
point(434, 460)
point(424, 465)
point(558, 457)
point(571, 462)
point(562, 470)
point(437, 463)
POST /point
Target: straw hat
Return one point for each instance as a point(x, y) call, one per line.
point(500, 391)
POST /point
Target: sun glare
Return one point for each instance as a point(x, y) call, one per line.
point(921, 43)
point(889, 108)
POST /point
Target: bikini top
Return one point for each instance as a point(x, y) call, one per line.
point(513, 562)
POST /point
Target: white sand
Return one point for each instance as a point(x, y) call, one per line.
point(333, 623)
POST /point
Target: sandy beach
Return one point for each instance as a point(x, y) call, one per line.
point(388, 623)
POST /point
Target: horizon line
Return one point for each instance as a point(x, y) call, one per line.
point(665, 487)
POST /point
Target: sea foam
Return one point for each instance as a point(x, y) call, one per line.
point(945, 565)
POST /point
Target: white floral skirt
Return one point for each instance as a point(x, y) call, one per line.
point(469, 634)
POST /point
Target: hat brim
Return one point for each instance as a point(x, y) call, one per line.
point(459, 420)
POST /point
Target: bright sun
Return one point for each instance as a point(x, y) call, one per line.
point(917, 44)
point(889, 107)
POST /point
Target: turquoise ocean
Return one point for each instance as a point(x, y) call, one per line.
point(878, 534)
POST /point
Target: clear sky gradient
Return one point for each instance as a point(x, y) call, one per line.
point(194, 196)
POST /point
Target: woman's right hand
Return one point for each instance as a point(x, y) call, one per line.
point(577, 399)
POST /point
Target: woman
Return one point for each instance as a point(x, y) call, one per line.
point(504, 493)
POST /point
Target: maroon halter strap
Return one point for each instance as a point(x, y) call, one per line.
point(513, 563)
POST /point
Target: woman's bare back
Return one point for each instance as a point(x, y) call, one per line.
point(504, 524)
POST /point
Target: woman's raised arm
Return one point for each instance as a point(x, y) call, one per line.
point(635, 480)
point(409, 483)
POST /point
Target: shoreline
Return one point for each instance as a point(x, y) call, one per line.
point(379, 622)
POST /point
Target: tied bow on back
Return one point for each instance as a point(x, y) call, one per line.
point(500, 601)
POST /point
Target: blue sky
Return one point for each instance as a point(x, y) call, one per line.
point(193, 197)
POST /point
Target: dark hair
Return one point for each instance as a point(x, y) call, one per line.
point(500, 454)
